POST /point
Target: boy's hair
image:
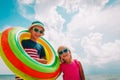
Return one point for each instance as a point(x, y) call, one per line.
point(36, 23)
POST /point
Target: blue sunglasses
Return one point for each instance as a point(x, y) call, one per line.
point(37, 30)
point(63, 51)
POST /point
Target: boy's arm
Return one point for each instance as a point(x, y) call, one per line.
point(42, 56)
point(42, 60)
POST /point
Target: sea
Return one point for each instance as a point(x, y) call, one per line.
point(88, 77)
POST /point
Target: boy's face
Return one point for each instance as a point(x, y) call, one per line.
point(36, 32)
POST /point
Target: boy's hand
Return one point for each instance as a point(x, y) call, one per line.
point(44, 61)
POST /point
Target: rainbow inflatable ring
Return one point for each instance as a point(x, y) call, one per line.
point(20, 63)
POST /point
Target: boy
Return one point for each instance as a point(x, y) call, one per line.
point(34, 49)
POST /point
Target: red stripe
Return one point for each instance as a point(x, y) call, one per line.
point(32, 53)
point(30, 50)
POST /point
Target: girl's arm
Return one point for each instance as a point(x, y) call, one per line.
point(81, 71)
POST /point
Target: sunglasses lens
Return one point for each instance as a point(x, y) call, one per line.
point(41, 32)
point(36, 30)
point(65, 50)
point(60, 52)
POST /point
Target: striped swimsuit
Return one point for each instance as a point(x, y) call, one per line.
point(33, 49)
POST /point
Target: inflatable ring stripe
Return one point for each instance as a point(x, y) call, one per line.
point(0, 43)
point(14, 61)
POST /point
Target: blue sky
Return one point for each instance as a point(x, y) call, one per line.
point(91, 28)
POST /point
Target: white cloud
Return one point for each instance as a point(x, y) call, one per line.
point(97, 52)
point(26, 1)
point(42, 9)
point(45, 10)
point(84, 6)
point(106, 21)
point(25, 7)
point(105, 25)
point(71, 5)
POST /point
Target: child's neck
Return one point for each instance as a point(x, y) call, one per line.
point(69, 61)
point(33, 39)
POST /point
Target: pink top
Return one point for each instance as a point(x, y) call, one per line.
point(70, 71)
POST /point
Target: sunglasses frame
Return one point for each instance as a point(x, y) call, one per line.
point(37, 30)
point(63, 51)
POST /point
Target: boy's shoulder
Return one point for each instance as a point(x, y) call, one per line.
point(26, 41)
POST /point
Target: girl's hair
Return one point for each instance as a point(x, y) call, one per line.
point(63, 47)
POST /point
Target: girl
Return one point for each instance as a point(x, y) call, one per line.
point(71, 68)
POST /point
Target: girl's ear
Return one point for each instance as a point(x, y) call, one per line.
point(61, 59)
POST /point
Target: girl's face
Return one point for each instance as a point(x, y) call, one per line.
point(65, 54)
point(36, 32)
